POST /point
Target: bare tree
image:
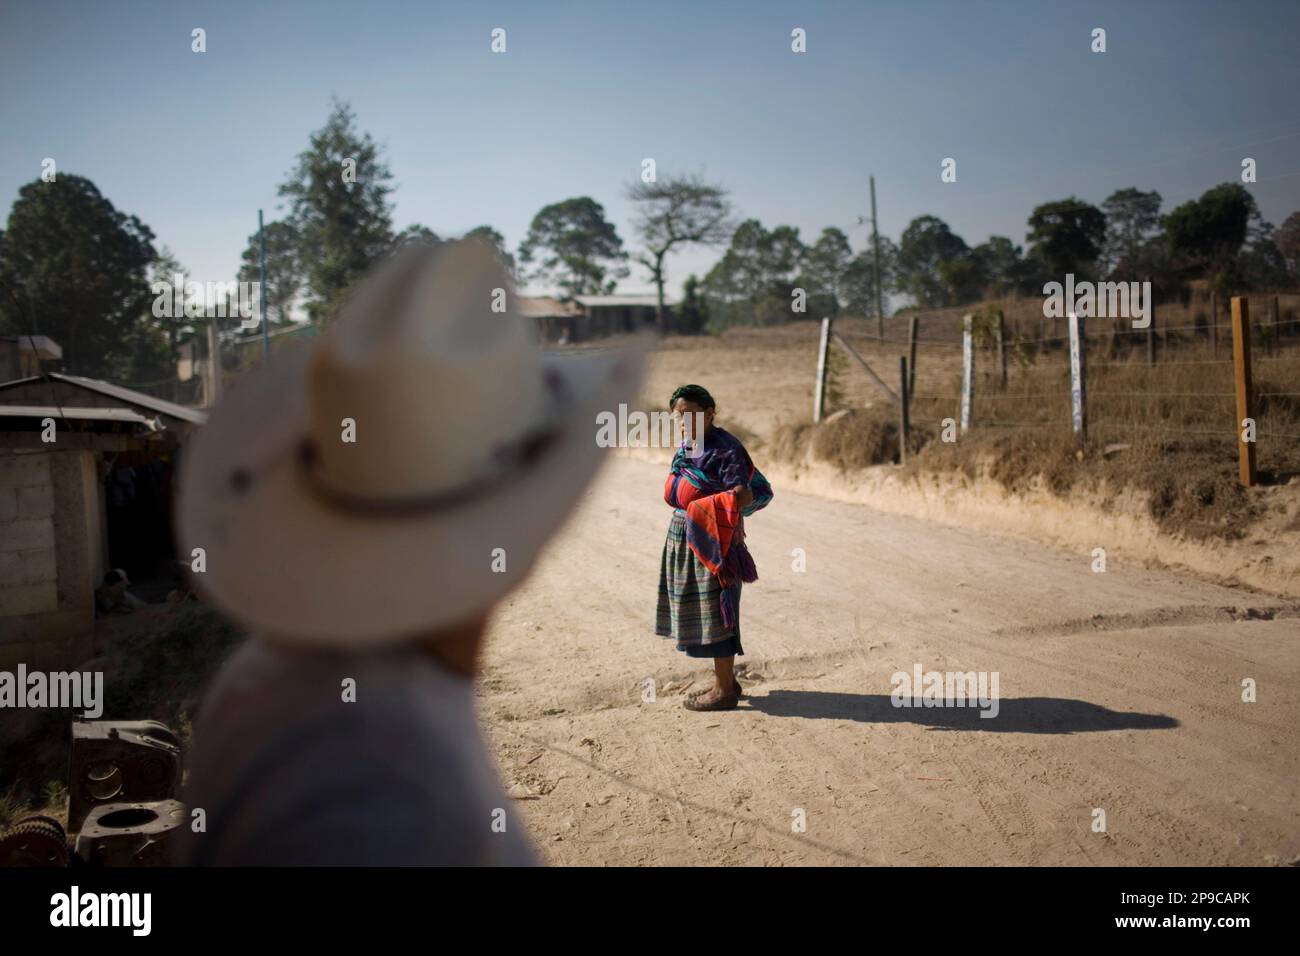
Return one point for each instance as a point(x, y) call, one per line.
point(677, 211)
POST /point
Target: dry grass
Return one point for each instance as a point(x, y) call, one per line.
point(1167, 430)
point(1175, 421)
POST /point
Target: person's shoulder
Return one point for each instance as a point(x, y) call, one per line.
point(292, 768)
point(292, 685)
point(258, 672)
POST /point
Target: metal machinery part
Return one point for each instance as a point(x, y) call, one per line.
point(120, 761)
point(130, 834)
point(34, 841)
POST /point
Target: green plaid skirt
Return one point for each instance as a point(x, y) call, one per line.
point(688, 609)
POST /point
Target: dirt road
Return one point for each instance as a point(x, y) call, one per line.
point(1120, 692)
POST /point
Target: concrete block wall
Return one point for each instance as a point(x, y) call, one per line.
point(49, 553)
point(28, 569)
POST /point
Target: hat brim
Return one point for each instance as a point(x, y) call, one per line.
point(282, 560)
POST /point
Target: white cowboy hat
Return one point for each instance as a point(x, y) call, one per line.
point(466, 440)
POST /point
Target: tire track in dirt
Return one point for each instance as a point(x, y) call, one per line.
point(979, 783)
point(824, 852)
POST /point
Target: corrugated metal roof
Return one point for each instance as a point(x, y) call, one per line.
point(80, 414)
point(306, 329)
point(596, 301)
point(544, 306)
point(192, 415)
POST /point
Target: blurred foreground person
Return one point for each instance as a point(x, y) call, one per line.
point(362, 504)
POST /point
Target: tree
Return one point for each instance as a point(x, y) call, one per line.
point(1002, 266)
point(925, 244)
point(283, 269)
point(693, 313)
point(77, 270)
point(167, 268)
point(1207, 234)
point(575, 248)
point(339, 208)
point(677, 211)
point(825, 273)
point(753, 281)
point(1153, 261)
point(964, 279)
point(1262, 267)
point(859, 283)
point(145, 360)
point(1132, 216)
point(1066, 236)
point(781, 257)
point(782, 254)
point(1287, 238)
point(418, 234)
point(730, 288)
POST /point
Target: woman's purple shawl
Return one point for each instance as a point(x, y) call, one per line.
point(715, 525)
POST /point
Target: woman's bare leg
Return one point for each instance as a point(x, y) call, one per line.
point(724, 680)
point(724, 674)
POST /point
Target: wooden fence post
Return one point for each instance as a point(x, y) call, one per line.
point(967, 372)
point(904, 399)
point(999, 331)
point(213, 390)
point(1245, 390)
point(819, 395)
point(1078, 379)
point(913, 326)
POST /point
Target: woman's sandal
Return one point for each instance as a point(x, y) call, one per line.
point(740, 691)
point(727, 702)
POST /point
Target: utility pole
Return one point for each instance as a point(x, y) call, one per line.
point(261, 289)
point(214, 365)
point(875, 242)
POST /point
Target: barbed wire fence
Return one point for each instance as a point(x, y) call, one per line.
point(1173, 382)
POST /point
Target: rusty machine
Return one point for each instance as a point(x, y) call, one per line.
point(123, 779)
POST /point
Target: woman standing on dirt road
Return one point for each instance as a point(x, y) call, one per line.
point(711, 487)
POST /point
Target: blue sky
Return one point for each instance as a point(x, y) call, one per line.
point(194, 143)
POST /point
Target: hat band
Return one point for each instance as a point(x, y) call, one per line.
point(507, 463)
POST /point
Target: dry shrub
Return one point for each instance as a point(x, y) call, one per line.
point(857, 438)
point(1166, 432)
point(1200, 499)
point(1018, 460)
point(851, 438)
point(1192, 486)
point(789, 441)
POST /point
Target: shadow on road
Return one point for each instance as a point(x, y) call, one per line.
point(1019, 715)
